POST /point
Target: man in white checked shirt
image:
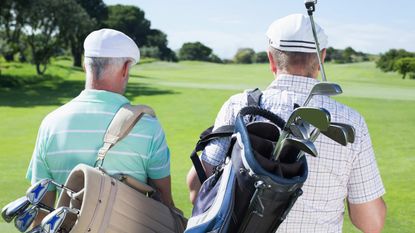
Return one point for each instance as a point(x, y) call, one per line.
point(339, 174)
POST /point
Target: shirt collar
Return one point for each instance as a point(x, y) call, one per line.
point(295, 83)
point(92, 95)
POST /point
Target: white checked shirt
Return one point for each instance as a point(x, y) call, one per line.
point(336, 174)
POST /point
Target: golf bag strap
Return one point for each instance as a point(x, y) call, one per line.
point(207, 136)
point(254, 100)
point(120, 126)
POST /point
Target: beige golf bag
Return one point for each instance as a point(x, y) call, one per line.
point(117, 203)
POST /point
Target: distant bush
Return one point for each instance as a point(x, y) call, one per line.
point(348, 55)
point(405, 65)
point(194, 51)
point(387, 60)
point(261, 57)
point(244, 56)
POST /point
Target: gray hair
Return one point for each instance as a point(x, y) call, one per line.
point(286, 60)
point(98, 66)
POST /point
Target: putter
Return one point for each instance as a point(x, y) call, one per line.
point(10, 211)
point(301, 144)
point(23, 221)
point(318, 117)
point(351, 132)
point(310, 5)
point(323, 88)
point(52, 222)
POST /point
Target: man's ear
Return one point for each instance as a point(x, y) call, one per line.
point(126, 68)
point(272, 63)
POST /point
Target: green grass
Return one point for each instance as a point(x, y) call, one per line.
point(187, 97)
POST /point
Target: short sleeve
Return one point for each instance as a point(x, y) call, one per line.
point(365, 183)
point(215, 151)
point(159, 162)
point(38, 168)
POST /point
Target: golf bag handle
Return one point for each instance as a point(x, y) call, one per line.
point(257, 111)
point(207, 136)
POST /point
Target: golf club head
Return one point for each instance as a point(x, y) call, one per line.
point(14, 208)
point(300, 144)
point(351, 132)
point(318, 117)
point(23, 221)
point(323, 88)
point(36, 229)
point(36, 192)
point(337, 134)
point(310, 4)
point(327, 89)
point(52, 222)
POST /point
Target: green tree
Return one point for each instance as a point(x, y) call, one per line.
point(195, 51)
point(405, 65)
point(47, 21)
point(91, 17)
point(74, 25)
point(129, 20)
point(244, 56)
point(12, 19)
point(158, 39)
point(387, 60)
point(348, 54)
point(261, 57)
point(214, 58)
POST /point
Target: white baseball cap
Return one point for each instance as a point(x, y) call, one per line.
point(110, 43)
point(293, 33)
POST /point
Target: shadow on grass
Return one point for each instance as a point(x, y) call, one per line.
point(31, 91)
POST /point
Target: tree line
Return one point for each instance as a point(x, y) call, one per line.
point(36, 30)
point(398, 60)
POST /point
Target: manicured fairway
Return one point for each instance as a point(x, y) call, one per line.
point(187, 96)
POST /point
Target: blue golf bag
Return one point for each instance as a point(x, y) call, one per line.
point(249, 192)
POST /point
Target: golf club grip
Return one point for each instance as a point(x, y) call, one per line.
point(257, 111)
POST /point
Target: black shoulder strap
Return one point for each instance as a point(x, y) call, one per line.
point(207, 136)
point(254, 99)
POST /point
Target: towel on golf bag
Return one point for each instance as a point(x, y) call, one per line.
point(116, 203)
point(249, 192)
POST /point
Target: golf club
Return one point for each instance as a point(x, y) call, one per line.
point(334, 132)
point(37, 191)
point(310, 5)
point(36, 229)
point(52, 222)
point(10, 211)
point(323, 88)
point(23, 221)
point(301, 144)
point(318, 117)
point(351, 132)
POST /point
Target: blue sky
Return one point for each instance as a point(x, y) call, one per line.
point(226, 25)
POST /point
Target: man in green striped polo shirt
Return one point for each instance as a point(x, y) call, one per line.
point(73, 133)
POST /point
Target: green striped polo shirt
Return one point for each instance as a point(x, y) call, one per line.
point(74, 133)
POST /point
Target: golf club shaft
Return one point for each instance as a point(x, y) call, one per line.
point(323, 73)
point(61, 186)
point(278, 147)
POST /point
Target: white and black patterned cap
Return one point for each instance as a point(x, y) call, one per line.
point(110, 43)
point(294, 33)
